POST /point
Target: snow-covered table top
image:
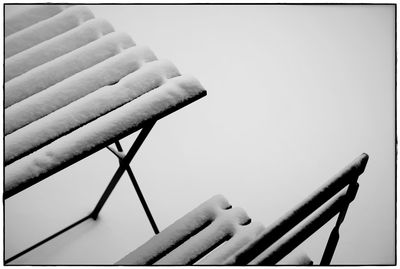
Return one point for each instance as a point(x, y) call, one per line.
point(73, 86)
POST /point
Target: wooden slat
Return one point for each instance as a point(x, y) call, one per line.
point(28, 16)
point(50, 73)
point(214, 229)
point(76, 86)
point(55, 47)
point(101, 132)
point(46, 29)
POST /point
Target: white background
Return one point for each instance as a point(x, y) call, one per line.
point(294, 94)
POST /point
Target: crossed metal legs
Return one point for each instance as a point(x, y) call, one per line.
point(121, 156)
point(124, 161)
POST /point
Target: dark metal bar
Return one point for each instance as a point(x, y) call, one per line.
point(334, 236)
point(119, 147)
point(139, 192)
point(46, 239)
point(288, 243)
point(348, 175)
point(121, 169)
point(330, 246)
point(113, 151)
point(142, 200)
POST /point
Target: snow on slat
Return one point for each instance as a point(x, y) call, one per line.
point(176, 233)
point(244, 235)
point(213, 227)
point(46, 29)
point(76, 86)
point(222, 228)
point(29, 16)
point(86, 109)
point(296, 257)
point(64, 66)
point(102, 131)
point(55, 47)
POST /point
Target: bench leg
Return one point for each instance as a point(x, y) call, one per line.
point(121, 155)
point(121, 169)
point(124, 165)
point(334, 236)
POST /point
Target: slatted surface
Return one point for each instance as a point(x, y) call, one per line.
point(208, 235)
point(215, 233)
point(73, 85)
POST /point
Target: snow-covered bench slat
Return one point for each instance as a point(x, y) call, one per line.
point(52, 72)
point(55, 47)
point(46, 29)
point(94, 105)
point(177, 233)
point(223, 228)
point(76, 86)
point(207, 235)
point(29, 16)
point(243, 236)
point(95, 135)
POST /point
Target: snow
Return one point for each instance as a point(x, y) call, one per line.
point(78, 85)
point(46, 29)
point(88, 108)
point(55, 47)
point(296, 257)
point(64, 66)
point(30, 16)
point(177, 232)
point(223, 227)
point(102, 131)
point(244, 235)
point(197, 233)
